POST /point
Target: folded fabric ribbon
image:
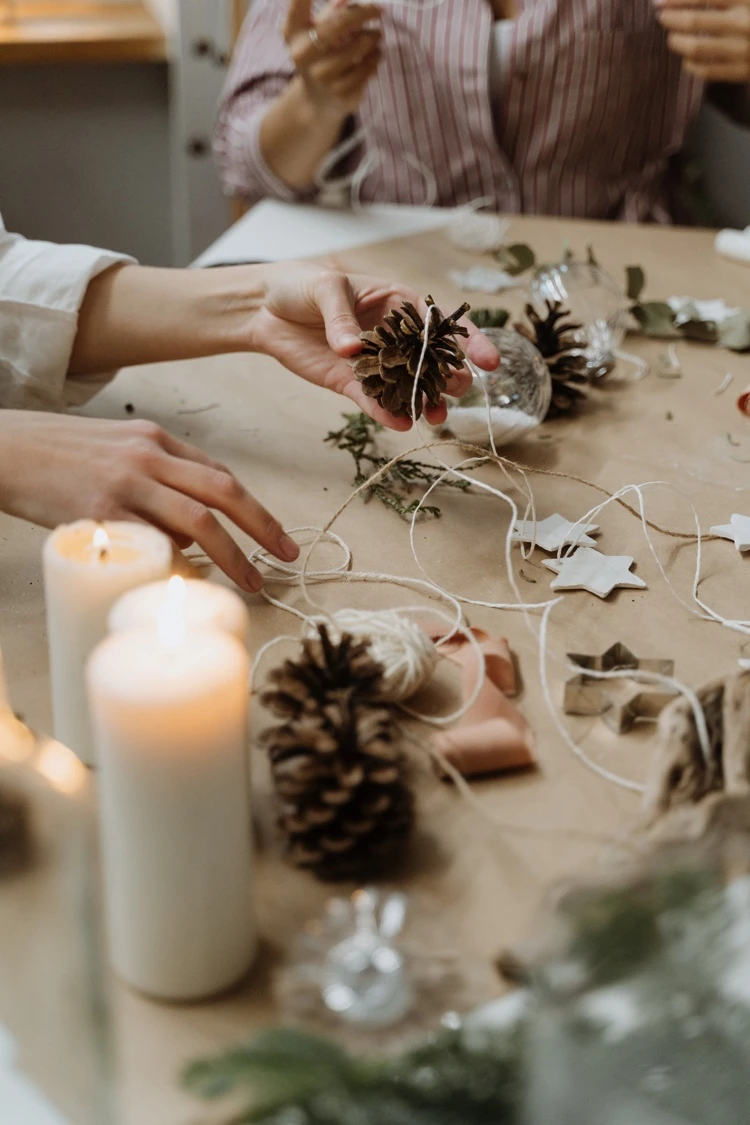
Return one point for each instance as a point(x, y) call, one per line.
point(492, 736)
point(743, 402)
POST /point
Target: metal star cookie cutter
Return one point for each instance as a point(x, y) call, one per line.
point(621, 703)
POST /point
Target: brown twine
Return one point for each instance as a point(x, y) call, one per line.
point(516, 466)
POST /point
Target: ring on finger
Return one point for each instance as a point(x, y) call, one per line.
point(315, 38)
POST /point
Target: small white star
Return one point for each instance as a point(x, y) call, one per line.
point(553, 533)
point(591, 570)
point(738, 529)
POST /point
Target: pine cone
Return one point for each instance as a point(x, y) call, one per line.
point(388, 363)
point(338, 773)
point(562, 353)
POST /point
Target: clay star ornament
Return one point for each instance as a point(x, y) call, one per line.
point(738, 529)
point(590, 570)
point(553, 533)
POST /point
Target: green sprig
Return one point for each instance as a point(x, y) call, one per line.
point(358, 437)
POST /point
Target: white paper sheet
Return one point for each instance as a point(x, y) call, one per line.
point(21, 1103)
point(279, 232)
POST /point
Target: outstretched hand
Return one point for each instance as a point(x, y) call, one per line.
point(712, 38)
point(311, 322)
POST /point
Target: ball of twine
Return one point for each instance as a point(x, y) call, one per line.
point(405, 652)
point(478, 232)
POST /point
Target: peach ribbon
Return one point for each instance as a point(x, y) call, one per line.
point(493, 736)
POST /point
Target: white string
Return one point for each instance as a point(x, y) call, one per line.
point(304, 576)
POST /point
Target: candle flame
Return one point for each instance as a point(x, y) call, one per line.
point(61, 767)
point(172, 621)
point(101, 542)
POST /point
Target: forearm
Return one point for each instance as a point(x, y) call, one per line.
point(296, 135)
point(134, 314)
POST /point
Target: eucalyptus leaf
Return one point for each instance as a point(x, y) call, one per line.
point(636, 281)
point(489, 318)
point(700, 331)
point(516, 259)
point(656, 318)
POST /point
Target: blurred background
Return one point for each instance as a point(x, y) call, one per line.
point(106, 117)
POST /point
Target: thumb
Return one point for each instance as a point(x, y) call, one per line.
point(298, 18)
point(335, 299)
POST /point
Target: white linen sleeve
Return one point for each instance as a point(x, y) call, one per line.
point(42, 287)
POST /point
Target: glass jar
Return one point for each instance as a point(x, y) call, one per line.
point(642, 1011)
point(594, 300)
point(54, 1040)
point(510, 402)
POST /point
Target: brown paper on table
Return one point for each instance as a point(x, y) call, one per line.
point(493, 736)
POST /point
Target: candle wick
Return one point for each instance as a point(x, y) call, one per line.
point(103, 554)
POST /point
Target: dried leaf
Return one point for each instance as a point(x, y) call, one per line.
point(516, 259)
point(636, 281)
point(656, 318)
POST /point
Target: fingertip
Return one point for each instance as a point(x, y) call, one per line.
point(483, 353)
point(348, 344)
point(253, 580)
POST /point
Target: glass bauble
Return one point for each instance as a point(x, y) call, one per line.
point(594, 300)
point(511, 401)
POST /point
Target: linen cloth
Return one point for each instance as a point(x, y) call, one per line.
point(574, 109)
point(42, 287)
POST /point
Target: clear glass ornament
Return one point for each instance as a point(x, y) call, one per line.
point(361, 972)
point(642, 1012)
point(594, 300)
point(54, 1041)
point(518, 393)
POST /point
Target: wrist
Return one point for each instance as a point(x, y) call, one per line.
point(227, 305)
point(315, 108)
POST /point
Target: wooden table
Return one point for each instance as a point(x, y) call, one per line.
point(269, 427)
point(78, 31)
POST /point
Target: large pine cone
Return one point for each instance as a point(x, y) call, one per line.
point(388, 363)
point(555, 338)
point(338, 773)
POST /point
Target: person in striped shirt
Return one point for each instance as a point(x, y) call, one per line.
point(559, 107)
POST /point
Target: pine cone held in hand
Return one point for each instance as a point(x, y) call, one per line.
point(562, 352)
point(388, 363)
point(339, 775)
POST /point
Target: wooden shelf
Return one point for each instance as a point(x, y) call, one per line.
point(84, 32)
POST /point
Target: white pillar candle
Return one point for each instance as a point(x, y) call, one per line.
point(207, 606)
point(87, 567)
point(170, 710)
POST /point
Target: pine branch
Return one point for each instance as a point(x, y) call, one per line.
point(289, 1075)
point(358, 437)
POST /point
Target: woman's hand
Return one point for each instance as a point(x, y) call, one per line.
point(56, 469)
point(713, 40)
point(311, 320)
point(335, 54)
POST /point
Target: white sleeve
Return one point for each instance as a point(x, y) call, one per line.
point(42, 287)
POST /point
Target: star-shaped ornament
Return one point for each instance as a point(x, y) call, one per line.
point(590, 570)
point(738, 529)
point(621, 703)
point(553, 533)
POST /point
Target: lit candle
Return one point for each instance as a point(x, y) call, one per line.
point(169, 709)
point(207, 606)
point(87, 567)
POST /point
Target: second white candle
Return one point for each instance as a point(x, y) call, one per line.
point(170, 718)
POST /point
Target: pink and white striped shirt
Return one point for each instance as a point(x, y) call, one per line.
point(583, 109)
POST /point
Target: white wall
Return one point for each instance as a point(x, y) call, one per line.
point(84, 156)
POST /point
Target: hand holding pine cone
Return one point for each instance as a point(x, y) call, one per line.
point(389, 361)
